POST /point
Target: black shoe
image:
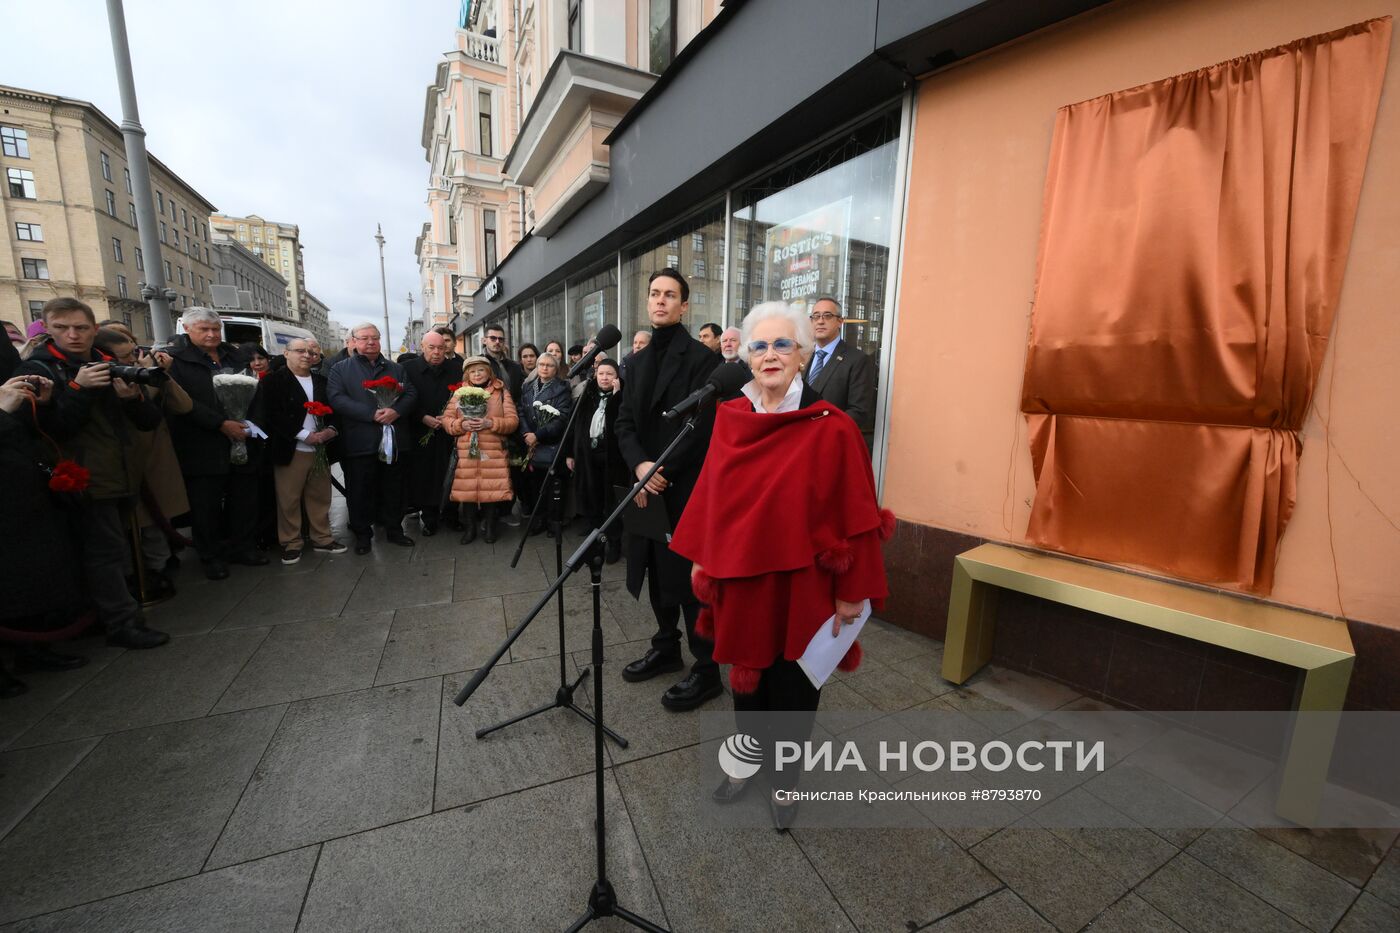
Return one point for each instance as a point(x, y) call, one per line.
point(784, 814)
point(650, 664)
point(695, 690)
point(136, 637)
point(401, 539)
point(291, 555)
point(249, 559)
point(429, 530)
point(42, 658)
point(362, 546)
point(215, 569)
point(469, 533)
point(730, 791)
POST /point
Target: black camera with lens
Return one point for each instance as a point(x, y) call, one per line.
point(139, 375)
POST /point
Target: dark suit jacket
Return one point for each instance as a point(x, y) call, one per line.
point(284, 410)
point(431, 384)
point(360, 434)
point(510, 372)
point(848, 382)
point(642, 434)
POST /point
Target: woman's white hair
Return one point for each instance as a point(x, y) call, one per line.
point(364, 325)
point(197, 314)
point(781, 310)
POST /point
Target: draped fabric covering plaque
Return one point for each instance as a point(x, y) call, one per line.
point(1192, 245)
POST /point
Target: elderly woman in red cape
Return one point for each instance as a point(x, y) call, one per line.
point(785, 533)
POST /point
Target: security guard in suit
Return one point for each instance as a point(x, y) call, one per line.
point(840, 373)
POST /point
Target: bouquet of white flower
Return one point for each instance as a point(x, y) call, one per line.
point(471, 400)
point(235, 393)
point(544, 414)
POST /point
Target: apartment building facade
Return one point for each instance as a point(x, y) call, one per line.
point(237, 267)
point(276, 244)
point(69, 216)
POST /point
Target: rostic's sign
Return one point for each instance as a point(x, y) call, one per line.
point(492, 288)
point(807, 255)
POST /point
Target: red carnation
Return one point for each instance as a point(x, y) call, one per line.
point(264, 373)
point(68, 476)
point(386, 382)
point(455, 386)
point(318, 409)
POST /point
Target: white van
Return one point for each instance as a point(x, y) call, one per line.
point(273, 336)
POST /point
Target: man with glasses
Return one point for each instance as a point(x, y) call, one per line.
point(671, 366)
point(373, 481)
point(506, 369)
point(840, 373)
point(293, 440)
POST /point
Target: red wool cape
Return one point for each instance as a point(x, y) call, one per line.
point(783, 522)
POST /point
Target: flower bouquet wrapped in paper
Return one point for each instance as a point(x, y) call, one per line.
point(472, 400)
point(320, 411)
point(235, 392)
point(386, 391)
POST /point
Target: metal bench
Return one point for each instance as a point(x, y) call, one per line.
point(1318, 646)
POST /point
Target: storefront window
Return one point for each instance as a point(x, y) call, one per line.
point(821, 226)
point(549, 319)
point(695, 246)
point(592, 303)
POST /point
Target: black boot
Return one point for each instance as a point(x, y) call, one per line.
point(489, 510)
point(469, 526)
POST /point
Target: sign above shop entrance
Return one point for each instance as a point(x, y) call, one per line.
point(492, 288)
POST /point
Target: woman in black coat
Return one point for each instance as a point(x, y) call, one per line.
point(541, 429)
point(35, 599)
point(593, 454)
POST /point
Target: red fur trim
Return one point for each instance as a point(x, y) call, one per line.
point(704, 586)
point(887, 523)
point(836, 559)
point(705, 624)
point(743, 679)
point(852, 659)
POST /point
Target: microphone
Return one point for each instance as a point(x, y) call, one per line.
point(725, 380)
point(607, 338)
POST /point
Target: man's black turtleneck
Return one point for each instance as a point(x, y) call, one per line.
point(662, 337)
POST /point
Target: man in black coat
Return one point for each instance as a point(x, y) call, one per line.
point(661, 374)
point(432, 375)
point(505, 369)
point(373, 487)
point(222, 494)
point(293, 439)
point(840, 373)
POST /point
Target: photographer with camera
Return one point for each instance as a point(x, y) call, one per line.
point(162, 487)
point(95, 415)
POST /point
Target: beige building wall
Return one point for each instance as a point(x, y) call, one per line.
point(958, 454)
point(90, 244)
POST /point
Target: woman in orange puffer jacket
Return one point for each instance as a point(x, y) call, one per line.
point(484, 478)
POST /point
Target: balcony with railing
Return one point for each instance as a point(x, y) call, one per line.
point(482, 48)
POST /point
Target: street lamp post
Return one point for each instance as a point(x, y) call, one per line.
point(383, 288)
point(154, 290)
point(410, 317)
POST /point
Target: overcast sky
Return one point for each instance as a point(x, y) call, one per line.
point(302, 111)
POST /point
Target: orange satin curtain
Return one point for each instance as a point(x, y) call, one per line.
point(1192, 245)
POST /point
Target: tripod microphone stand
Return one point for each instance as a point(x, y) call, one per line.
point(602, 902)
point(564, 695)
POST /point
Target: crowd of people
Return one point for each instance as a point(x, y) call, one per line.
point(130, 459)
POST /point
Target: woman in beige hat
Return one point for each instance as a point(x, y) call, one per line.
point(482, 475)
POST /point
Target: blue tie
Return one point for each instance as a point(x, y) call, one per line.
point(815, 369)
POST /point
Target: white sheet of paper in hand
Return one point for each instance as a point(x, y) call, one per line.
point(825, 651)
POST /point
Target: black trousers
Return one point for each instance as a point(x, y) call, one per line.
point(373, 495)
point(667, 639)
point(219, 505)
point(782, 688)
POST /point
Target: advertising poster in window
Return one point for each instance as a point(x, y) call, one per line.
point(593, 309)
point(807, 254)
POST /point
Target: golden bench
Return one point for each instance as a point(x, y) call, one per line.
point(1319, 646)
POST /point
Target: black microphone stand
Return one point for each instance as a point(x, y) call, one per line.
point(564, 695)
point(602, 902)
